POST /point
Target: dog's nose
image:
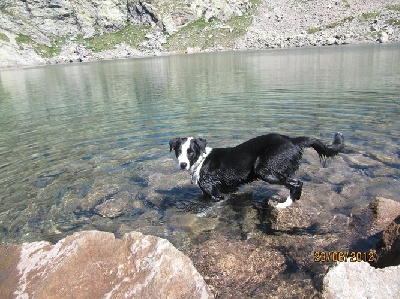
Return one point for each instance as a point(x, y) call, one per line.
point(183, 165)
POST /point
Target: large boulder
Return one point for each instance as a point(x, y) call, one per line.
point(388, 248)
point(95, 264)
point(360, 280)
point(376, 217)
point(385, 211)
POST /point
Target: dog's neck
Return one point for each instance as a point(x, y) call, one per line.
point(195, 168)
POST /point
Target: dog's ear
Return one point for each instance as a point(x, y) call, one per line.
point(173, 143)
point(201, 143)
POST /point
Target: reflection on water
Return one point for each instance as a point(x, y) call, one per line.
point(73, 137)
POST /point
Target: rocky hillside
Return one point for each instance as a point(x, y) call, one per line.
point(56, 31)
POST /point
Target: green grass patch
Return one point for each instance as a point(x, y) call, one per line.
point(205, 35)
point(394, 22)
point(369, 16)
point(338, 23)
point(215, 33)
point(47, 51)
point(346, 3)
point(131, 35)
point(239, 24)
point(42, 50)
point(313, 30)
point(395, 7)
point(23, 39)
point(4, 37)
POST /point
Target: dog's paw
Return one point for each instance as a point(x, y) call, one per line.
point(283, 205)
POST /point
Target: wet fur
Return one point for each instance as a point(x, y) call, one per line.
point(273, 158)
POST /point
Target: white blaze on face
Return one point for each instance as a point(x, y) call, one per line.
point(183, 158)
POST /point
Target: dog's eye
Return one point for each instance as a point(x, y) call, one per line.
point(190, 151)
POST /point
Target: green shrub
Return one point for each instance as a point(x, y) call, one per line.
point(42, 50)
point(23, 39)
point(395, 7)
point(394, 22)
point(369, 15)
point(205, 35)
point(131, 35)
point(313, 30)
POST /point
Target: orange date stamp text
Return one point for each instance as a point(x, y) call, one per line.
point(343, 256)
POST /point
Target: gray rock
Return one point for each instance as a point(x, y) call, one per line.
point(331, 41)
point(360, 280)
point(169, 26)
point(383, 37)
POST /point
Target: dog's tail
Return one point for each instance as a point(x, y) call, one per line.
point(323, 150)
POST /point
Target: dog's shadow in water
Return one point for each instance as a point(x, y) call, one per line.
point(250, 205)
point(188, 199)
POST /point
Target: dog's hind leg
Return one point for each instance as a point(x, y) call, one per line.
point(295, 186)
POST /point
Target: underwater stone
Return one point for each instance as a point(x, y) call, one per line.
point(111, 208)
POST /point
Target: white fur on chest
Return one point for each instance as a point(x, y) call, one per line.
point(196, 167)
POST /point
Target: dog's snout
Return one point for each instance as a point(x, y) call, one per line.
point(183, 165)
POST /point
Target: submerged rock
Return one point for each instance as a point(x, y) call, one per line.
point(95, 264)
point(302, 214)
point(360, 280)
point(115, 206)
point(96, 196)
point(236, 268)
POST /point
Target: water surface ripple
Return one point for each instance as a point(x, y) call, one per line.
point(73, 137)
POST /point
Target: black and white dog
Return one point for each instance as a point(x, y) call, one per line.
point(273, 158)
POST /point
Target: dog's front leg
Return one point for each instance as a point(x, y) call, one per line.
point(211, 190)
point(217, 198)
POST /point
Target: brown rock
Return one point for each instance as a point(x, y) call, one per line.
point(96, 196)
point(301, 214)
point(94, 264)
point(388, 248)
point(376, 217)
point(236, 268)
point(111, 208)
point(385, 211)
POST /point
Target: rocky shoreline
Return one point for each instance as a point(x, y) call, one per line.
point(94, 263)
point(35, 33)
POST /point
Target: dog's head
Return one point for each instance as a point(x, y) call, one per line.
point(187, 150)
